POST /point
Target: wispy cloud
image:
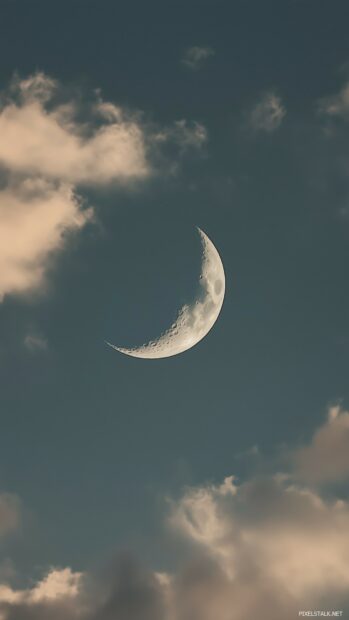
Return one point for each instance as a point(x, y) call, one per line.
point(336, 105)
point(268, 113)
point(35, 342)
point(184, 134)
point(196, 56)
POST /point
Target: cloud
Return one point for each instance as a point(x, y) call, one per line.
point(336, 105)
point(51, 142)
point(272, 547)
point(268, 114)
point(186, 135)
point(264, 548)
point(195, 57)
point(35, 342)
point(175, 143)
point(326, 458)
point(189, 135)
point(56, 596)
point(10, 513)
point(57, 584)
point(46, 154)
point(35, 216)
point(36, 87)
point(126, 593)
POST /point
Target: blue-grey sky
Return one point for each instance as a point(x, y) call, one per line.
point(231, 116)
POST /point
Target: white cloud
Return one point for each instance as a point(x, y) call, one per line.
point(50, 142)
point(268, 114)
point(326, 458)
point(57, 584)
point(34, 216)
point(195, 57)
point(45, 152)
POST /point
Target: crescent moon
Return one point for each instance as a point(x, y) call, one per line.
point(193, 321)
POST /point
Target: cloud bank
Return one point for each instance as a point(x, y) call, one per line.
point(265, 548)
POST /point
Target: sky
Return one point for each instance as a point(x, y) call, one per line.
point(211, 485)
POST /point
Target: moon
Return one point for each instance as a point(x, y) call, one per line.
point(193, 321)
